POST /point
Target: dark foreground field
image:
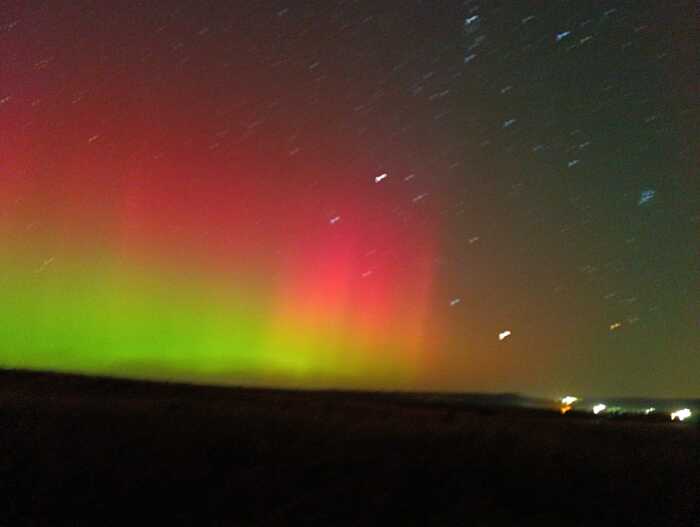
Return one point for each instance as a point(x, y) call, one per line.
point(77, 451)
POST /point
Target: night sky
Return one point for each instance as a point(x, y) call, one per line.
point(464, 196)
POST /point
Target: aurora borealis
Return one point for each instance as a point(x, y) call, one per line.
point(344, 194)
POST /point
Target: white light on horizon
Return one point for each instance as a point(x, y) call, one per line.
point(681, 415)
point(599, 408)
point(569, 399)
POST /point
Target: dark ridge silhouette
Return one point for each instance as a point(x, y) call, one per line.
point(101, 451)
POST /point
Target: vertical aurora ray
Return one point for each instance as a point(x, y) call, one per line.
point(353, 310)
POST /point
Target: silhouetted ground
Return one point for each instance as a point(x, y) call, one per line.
point(78, 451)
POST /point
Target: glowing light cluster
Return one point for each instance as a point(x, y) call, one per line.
point(567, 404)
point(598, 408)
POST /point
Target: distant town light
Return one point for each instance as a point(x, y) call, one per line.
point(599, 408)
point(649, 410)
point(569, 400)
point(681, 415)
point(565, 408)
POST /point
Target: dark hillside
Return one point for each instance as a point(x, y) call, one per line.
point(80, 451)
